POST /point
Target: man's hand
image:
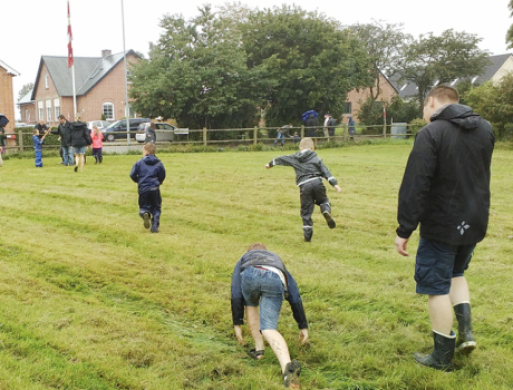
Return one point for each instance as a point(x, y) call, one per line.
point(267, 166)
point(238, 334)
point(339, 190)
point(400, 245)
point(303, 336)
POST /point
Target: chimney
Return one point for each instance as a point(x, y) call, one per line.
point(106, 53)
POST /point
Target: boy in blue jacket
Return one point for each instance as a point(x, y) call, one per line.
point(149, 173)
point(261, 279)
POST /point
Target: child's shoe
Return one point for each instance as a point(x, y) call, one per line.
point(331, 222)
point(291, 375)
point(146, 219)
point(154, 229)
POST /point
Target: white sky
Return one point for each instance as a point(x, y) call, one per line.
point(32, 28)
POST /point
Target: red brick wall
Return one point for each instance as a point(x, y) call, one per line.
point(111, 89)
point(26, 110)
point(358, 98)
point(43, 94)
point(7, 99)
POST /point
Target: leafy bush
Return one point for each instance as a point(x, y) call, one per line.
point(415, 125)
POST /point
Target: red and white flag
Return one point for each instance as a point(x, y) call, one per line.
point(69, 118)
point(70, 38)
point(385, 113)
point(28, 118)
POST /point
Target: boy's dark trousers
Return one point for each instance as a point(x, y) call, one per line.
point(151, 202)
point(97, 154)
point(313, 193)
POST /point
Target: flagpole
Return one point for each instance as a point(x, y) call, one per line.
point(74, 91)
point(71, 64)
point(126, 81)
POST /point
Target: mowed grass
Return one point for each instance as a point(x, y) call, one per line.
point(89, 299)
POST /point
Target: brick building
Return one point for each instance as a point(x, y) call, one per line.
point(356, 98)
point(6, 94)
point(99, 84)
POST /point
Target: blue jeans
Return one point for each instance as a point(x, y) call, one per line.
point(67, 155)
point(278, 137)
point(437, 263)
point(263, 287)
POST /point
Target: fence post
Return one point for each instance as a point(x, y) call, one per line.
point(302, 131)
point(385, 130)
point(204, 136)
point(20, 140)
point(255, 135)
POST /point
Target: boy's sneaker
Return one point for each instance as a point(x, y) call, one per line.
point(291, 375)
point(331, 222)
point(154, 229)
point(146, 219)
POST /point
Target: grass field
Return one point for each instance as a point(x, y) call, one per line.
point(91, 300)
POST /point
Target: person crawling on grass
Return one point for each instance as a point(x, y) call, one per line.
point(309, 173)
point(149, 173)
point(261, 279)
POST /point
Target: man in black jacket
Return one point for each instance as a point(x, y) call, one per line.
point(446, 188)
point(261, 279)
point(64, 131)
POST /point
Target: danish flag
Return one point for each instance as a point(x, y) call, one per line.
point(70, 38)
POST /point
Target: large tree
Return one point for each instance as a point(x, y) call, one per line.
point(25, 89)
point(197, 73)
point(385, 44)
point(311, 61)
point(509, 35)
point(433, 60)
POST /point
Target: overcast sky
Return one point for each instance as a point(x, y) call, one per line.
point(32, 28)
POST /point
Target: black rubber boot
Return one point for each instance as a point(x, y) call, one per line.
point(96, 159)
point(100, 159)
point(443, 352)
point(308, 233)
point(465, 343)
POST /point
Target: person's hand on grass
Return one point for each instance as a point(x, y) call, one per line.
point(303, 336)
point(238, 334)
point(400, 245)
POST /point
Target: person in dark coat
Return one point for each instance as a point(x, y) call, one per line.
point(150, 133)
point(260, 279)
point(64, 132)
point(311, 126)
point(446, 188)
point(149, 173)
point(80, 139)
point(41, 127)
point(351, 126)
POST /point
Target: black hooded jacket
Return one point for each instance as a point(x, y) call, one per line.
point(446, 184)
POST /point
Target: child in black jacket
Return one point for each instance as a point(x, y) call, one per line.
point(309, 173)
point(149, 173)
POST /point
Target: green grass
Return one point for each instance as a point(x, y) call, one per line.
point(91, 300)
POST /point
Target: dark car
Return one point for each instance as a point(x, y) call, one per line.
point(165, 132)
point(117, 130)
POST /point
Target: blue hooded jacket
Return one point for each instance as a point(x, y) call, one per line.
point(149, 173)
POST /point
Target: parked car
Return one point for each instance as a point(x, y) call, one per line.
point(165, 131)
point(118, 129)
point(102, 125)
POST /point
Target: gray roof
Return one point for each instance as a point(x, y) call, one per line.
point(409, 89)
point(27, 98)
point(88, 72)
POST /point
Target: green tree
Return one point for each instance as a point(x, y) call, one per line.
point(385, 44)
point(309, 59)
point(509, 35)
point(197, 74)
point(495, 104)
point(433, 60)
point(25, 89)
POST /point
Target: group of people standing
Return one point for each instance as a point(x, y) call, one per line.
point(74, 138)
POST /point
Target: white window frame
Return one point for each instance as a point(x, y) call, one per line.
point(49, 110)
point(47, 84)
point(57, 108)
point(104, 105)
point(41, 109)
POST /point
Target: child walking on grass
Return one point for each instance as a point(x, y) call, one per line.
point(309, 173)
point(149, 173)
point(38, 147)
point(97, 138)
